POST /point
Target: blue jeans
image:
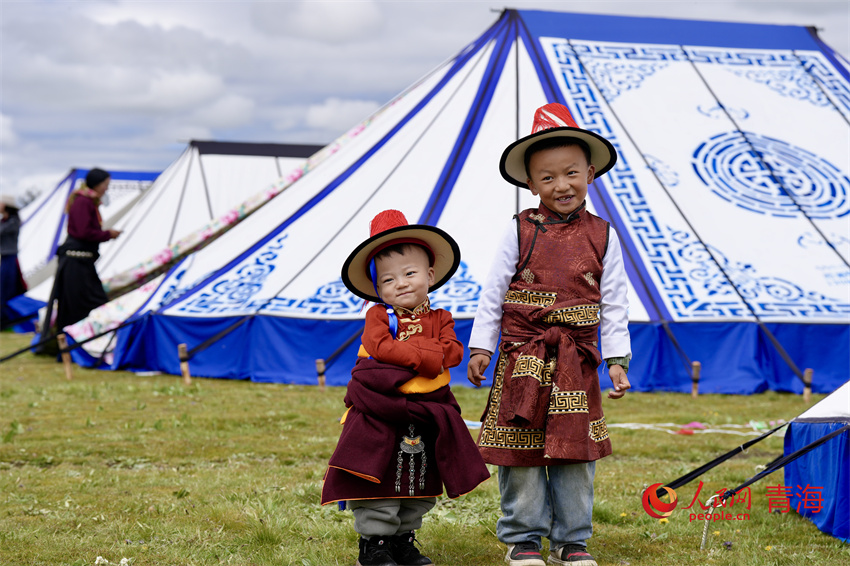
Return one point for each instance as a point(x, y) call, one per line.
point(555, 502)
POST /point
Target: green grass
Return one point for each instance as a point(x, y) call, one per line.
point(225, 472)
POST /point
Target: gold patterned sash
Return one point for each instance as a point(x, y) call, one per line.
point(579, 315)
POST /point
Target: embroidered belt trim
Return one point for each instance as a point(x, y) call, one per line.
point(79, 253)
point(561, 402)
point(598, 430)
point(532, 366)
point(494, 436)
point(581, 315)
point(513, 438)
point(531, 298)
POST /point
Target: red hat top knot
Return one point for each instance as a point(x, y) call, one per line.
point(386, 220)
point(552, 115)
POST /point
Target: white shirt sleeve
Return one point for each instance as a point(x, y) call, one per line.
point(488, 317)
point(614, 305)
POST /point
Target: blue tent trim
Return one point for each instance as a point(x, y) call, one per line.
point(472, 124)
point(659, 30)
point(284, 350)
point(828, 468)
point(831, 55)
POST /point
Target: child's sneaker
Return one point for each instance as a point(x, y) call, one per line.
point(571, 555)
point(375, 551)
point(524, 554)
point(405, 553)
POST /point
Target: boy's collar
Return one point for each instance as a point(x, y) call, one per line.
point(555, 217)
point(421, 310)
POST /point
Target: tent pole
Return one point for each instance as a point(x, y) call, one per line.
point(183, 354)
point(696, 369)
point(807, 385)
point(66, 356)
point(320, 370)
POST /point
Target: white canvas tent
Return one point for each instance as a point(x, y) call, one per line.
point(731, 198)
point(43, 221)
point(209, 180)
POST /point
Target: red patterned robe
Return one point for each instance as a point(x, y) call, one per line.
point(545, 406)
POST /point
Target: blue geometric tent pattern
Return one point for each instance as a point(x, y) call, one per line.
point(731, 198)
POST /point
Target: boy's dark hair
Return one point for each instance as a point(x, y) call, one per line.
point(553, 142)
point(401, 249)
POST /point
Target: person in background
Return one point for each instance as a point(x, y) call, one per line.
point(77, 289)
point(11, 280)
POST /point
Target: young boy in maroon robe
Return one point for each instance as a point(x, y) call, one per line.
point(403, 437)
point(557, 275)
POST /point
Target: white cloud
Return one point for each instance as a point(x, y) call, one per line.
point(8, 137)
point(182, 132)
point(173, 92)
point(335, 114)
point(229, 111)
point(335, 21)
point(118, 83)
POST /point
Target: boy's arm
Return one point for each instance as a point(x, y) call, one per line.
point(614, 315)
point(451, 346)
point(383, 347)
point(488, 318)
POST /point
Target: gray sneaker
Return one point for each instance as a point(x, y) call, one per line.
point(571, 555)
point(524, 554)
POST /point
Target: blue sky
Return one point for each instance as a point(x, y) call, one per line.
point(124, 84)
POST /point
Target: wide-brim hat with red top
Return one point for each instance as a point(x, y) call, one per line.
point(388, 228)
point(550, 121)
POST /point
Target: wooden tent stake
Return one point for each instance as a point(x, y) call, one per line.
point(696, 369)
point(807, 385)
point(320, 370)
point(66, 356)
point(183, 354)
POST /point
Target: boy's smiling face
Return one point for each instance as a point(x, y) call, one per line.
point(404, 278)
point(560, 176)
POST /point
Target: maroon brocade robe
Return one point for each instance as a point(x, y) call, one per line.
point(367, 463)
point(545, 406)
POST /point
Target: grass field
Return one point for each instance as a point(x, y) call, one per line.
point(117, 466)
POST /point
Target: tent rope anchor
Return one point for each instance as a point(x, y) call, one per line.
point(711, 508)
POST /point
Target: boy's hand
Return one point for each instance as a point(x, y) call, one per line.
point(478, 362)
point(620, 381)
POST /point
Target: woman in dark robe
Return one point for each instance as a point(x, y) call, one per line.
point(11, 280)
point(77, 289)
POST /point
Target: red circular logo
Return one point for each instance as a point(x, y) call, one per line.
point(654, 507)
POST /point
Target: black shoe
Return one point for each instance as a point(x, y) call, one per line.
point(375, 551)
point(405, 552)
point(571, 555)
point(524, 554)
